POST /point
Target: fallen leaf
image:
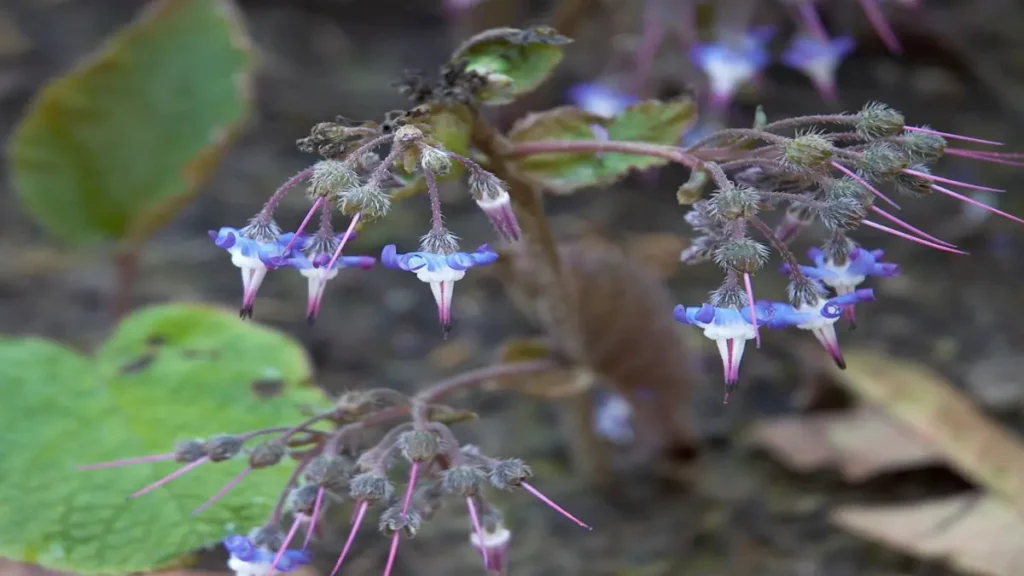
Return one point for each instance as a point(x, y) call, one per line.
point(924, 402)
point(974, 536)
point(860, 443)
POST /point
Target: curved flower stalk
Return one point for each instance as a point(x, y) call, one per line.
point(439, 268)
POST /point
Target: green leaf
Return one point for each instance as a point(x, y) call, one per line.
point(523, 58)
point(653, 122)
point(112, 150)
point(168, 373)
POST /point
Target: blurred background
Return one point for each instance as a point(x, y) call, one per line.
point(762, 499)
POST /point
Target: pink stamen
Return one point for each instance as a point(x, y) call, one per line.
point(881, 25)
point(536, 493)
point(284, 546)
point(313, 518)
point(974, 202)
point(934, 178)
point(360, 513)
point(344, 240)
point(305, 222)
point(475, 519)
point(409, 489)
point(921, 241)
point(812, 19)
point(985, 157)
point(392, 553)
point(128, 462)
point(863, 183)
point(169, 477)
point(903, 224)
point(951, 136)
point(753, 309)
point(220, 493)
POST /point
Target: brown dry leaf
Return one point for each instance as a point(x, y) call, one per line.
point(861, 443)
point(926, 403)
point(659, 252)
point(984, 537)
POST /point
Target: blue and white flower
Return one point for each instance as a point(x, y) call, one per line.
point(818, 60)
point(601, 99)
point(311, 255)
point(250, 248)
point(819, 318)
point(730, 328)
point(247, 559)
point(733, 61)
point(844, 279)
point(441, 271)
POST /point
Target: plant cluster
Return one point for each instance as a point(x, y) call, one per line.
point(835, 169)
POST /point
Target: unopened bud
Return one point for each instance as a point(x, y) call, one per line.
point(370, 487)
point(408, 134)
point(392, 520)
point(923, 147)
point(331, 178)
point(435, 160)
point(846, 188)
point(876, 120)
point(499, 212)
point(419, 445)
point(804, 291)
point(266, 454)
point(882, 162)
point(367, 162)
point(842, 213)
point(328, 139)
point(736, 202)
point(463, 480)
point(510, 472)
point(302, 500)
point(809, 151)
point(370, 200)
point(223, 447)
point(741, 254)
point(912, 184)
point(189, 451)
point(331, 471)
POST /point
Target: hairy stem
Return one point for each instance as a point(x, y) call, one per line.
point(804, 121)
point(738, 134)
point(436, 219)
point(293, 480)
point(670, 153)
point(267, 213)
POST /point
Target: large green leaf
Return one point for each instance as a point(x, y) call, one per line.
point(114, 148)
point(524, 57)
point(652, 121)
point(169, 373)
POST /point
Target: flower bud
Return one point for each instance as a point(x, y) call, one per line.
point(842, 213)
point(742, 255)
point(330, 471)
point(881, 162)
point(809, 151)
point(331, 178)
point(923, 147)
point(370, 487)
point(510, 472)
point(912, 184)
point(189, 451)
point(463, 480)
point(266, 454)
point(328, 139)
point(876, 120)
point(302, 500)
point(392, 520)
point(223, 447)
point(370, 200)
point(847, 188)
point(408, 134)
point(419, 445)
point(735, 202)
point(435, 160)
point(484, 185)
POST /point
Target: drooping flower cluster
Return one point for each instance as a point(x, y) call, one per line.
point(354, 179)
point(331, 471)
point(835, 177)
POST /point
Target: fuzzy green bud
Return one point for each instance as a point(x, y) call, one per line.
point(736, 202)
point(331, 178)
point(435, 160)
point(370, 200)
point(881, 162)
point(743, 255)
point(877, 120)
point(912, 185)
point(923, 147)
point(808, 151)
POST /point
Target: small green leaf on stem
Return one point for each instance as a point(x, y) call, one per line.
point(515, 61)
point(113, 149)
